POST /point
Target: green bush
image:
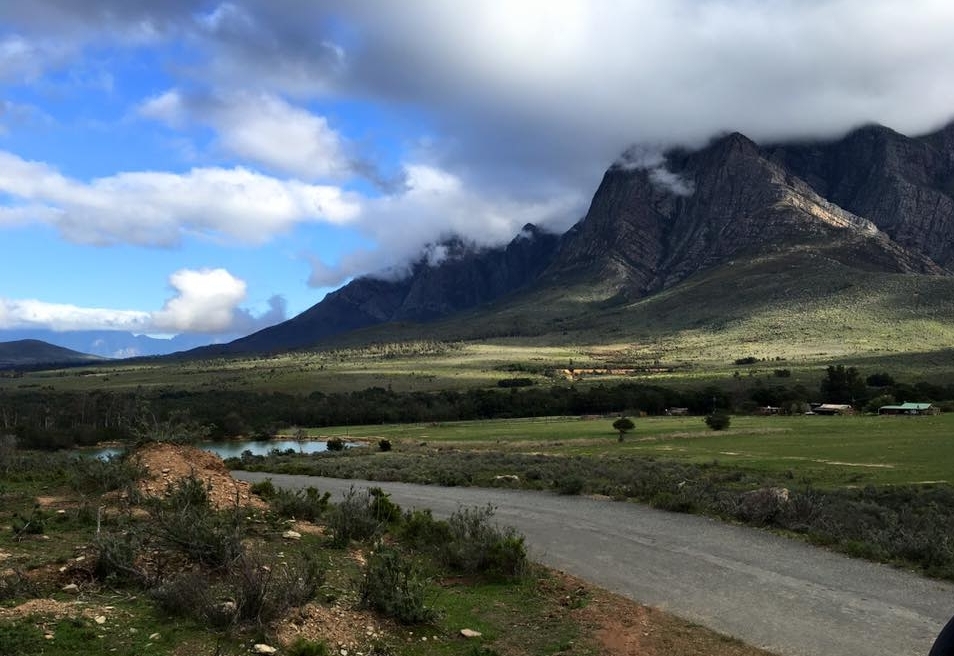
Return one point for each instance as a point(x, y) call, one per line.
point(308, 504)
point(383, 509)
point(265, 489)
point(354, 518)
point(32, 523)
point(14, 584)
point(384, 445)
point(264, 590)
point(718, 421)
point(569, 485)
point(116, 557)
point(422, 532)
point(478, 546)
point(302, 647)
point(395, 587)
point(185, 522)
point(335, 444)
point(98, 476)
point(252, 591)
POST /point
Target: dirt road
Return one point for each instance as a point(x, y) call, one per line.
point(768, 591)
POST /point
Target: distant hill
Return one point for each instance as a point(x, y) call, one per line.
point(31, 353)
point(703, 238)
point(112, 343)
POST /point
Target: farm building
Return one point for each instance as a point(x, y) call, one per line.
point(833, 409)
point(909, 409)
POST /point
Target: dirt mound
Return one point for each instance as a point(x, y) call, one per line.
point(167, 463)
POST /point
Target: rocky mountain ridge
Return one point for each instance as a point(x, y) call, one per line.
point(874, 200)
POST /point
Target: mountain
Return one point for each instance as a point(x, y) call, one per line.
point(27, 353)
point(874, 203)
point(110, 343)
point(451, 277)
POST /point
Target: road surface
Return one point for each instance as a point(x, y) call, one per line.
point(771, 592)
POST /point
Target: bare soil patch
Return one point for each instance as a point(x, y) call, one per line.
point(167, 463)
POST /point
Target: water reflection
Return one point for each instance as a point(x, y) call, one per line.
point(234, 449)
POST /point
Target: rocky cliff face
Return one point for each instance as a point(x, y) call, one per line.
point(651, 227)
point(904, 186)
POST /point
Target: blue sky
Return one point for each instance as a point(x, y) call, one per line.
point(214, 167)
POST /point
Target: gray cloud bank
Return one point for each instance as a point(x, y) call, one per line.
point(526, 102)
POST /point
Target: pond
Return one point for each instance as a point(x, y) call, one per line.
point(234, 448)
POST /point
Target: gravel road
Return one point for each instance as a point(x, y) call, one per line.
point(771, 592)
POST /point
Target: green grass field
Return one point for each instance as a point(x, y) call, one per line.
point(827, 451)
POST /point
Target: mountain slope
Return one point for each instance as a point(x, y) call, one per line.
point(645, 237)
point(32, 352)
point(873, 205)
point(464, 277)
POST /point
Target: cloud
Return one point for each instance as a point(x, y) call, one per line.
point(30, 313)
point(157, 209)
point(433, 205)
point(502, 111)
point(259, 127)
point(651, 159)
point(205, 301)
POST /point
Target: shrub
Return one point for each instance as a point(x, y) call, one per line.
point(265, 489)
point(383, 509)
point(569, 485)
point(394, 586)
point(184, 521)
point(189, 595)
point(116, 557)
point(253, 590)
point(264, 591)
point(749, 359)
point(354, 518)
point(335, 444)
point(98, 476)
point(478, 546)
point(308, 504)
point(384, 445)
point(718, 421)
point(33, 523)
point(783, 373)
point(302, 647)
point(422, 532)
point(13, 584)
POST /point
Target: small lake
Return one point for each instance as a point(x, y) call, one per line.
point(234, 449)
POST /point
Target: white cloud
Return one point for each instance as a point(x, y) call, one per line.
point(436, 204)
point(31, 313)
point(157, 209)
point(206, 301)
point(259, 127)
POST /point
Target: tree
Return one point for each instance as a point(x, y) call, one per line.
point(841, 385)
point(623, 425)
point(718, 421)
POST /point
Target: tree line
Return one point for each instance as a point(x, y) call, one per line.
point(50, 419)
